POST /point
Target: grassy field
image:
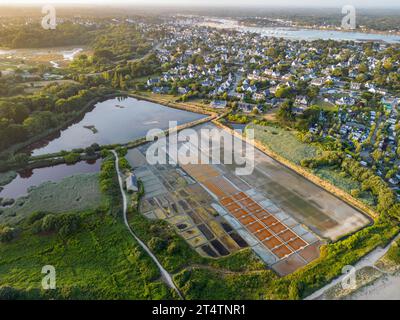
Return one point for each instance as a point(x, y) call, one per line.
point(390, 262)
point(346, 183)
point(326, 106)
point(35, 86)
point(200, 283)
point(283, 142)
point(102, 261)
point(75, 193)
point(99, 261)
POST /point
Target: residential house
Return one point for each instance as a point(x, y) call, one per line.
point(218, 104)
point(132, 183)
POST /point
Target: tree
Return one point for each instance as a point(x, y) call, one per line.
point(388, 64)
point(115, 81)
point(285, 112)
point(72, 158)
point(49, 223)
point(100, 54)
point(355, 193)
point(122, 83)
point(157, 244)
point(363, 68)
point(7, 233)
point(377, 155)
point(283, 92)
point(90, 151)
point(312, 92)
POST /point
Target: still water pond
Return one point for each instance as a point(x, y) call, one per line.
point(118, 120)
point(32, 178)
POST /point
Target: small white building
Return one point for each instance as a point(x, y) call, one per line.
point(218, 104)
point(131, 183)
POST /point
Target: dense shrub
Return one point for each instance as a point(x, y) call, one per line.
point(124, 164)
point(49, 223)
point(25, 117)
point(65, 224)
point(72, 158)
point(108, 179)
point(238, 118)
point(7, 233)
point(8, 293)
point(35, 216)
point(156, 244)
point(122, 151)
point(385, 197)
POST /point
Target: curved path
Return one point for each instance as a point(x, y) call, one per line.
point(164, 273)
point(367, 261)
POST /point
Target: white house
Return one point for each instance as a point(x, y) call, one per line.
point(131, 183)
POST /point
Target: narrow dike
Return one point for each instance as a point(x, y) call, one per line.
point(167, 278)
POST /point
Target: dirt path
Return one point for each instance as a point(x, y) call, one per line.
point(368, 261)
point(167, 278)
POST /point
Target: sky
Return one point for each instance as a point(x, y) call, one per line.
point(266, 3)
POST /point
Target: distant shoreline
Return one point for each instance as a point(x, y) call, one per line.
point(239, 26)
point(320, 28)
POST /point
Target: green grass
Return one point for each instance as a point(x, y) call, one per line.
point(345, 183)
point(172, 250)
point(283, 142)
point(242, 261)
point(326, 106)
point(393, 254)
point(7, 177)
point(145, 78)
point(100, 261)
point(74, 193)
point(208, 285)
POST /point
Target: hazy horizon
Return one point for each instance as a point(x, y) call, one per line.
point(213, 3)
